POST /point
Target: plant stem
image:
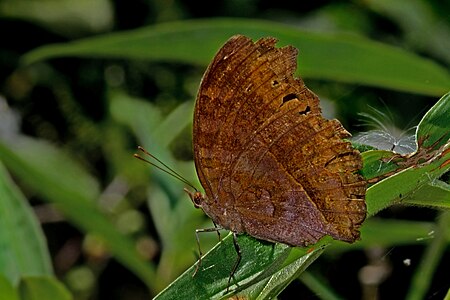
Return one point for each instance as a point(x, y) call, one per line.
point(433, 253)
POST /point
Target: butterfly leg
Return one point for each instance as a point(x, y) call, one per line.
point(197, 231)
point(218, 231)
point(238, 260)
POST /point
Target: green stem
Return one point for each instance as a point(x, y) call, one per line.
point(433, 254)
point(322, 290)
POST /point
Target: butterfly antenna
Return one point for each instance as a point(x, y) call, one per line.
point(163, 167)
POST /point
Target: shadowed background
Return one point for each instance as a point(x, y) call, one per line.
point(72, 116)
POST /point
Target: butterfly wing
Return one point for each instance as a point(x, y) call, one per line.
point(270, 164)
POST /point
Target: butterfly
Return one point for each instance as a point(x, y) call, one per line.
point(270, 164)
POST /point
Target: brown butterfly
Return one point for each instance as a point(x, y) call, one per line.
point(270, 164)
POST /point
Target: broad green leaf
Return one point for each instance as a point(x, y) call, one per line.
point(434, 194)
point(23, 249)
point(433, 130)
point(390, 232)
point(264, 270)
point(59, 180)
point(281, 279)
point(397, 188)
point(7, 290)
point(39, 288)
point(378, 163)
point(335, 57)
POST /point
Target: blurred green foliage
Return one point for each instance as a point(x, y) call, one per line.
point(83, 83)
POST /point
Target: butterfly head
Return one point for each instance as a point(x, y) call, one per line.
point(196, 197)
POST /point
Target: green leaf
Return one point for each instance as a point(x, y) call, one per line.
point(378, 163)
point(334, 57)
point(7, 290)
point(265, 269)
point(397, 188)
point(22, 242)
point(435, 194)
point(140, 115)
point(172, 211)
point(390, 232)
point(39, 288)
point(148, 125)
point(447, 297)
point(282, 278)
point(318, 286)
point(59, 180)
point(174, 123)
point(433, 130)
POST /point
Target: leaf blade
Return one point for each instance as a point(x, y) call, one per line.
point(24, 249)
point(334, 57)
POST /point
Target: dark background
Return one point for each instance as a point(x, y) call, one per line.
point(65, 103)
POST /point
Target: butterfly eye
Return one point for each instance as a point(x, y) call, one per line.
point(198, 199)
